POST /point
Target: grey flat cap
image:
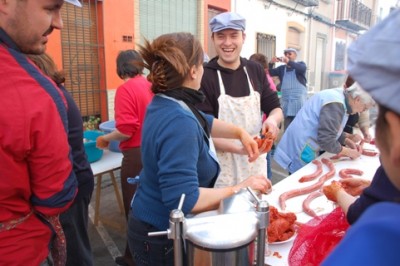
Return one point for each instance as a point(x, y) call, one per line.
point(227, 20)
point(374, 61)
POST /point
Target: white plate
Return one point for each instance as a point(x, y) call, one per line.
point(284, 241)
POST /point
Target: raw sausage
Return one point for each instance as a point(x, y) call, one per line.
point(308, 200)
point(302, 191)
point(346, 173)
point(314, 175)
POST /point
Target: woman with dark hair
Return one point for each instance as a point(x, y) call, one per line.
point(178, 154)
point(131, 100)
point(74, 221)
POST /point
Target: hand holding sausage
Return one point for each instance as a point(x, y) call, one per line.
point(249, 144)
point(354, 186)
point(350, 152)
point(101, 143)
point(331, 191)
point(356, 138)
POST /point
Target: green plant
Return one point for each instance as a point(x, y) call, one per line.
point(92, 123)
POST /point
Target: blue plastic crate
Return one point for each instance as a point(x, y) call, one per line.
point(108, 127)
point(93, 153)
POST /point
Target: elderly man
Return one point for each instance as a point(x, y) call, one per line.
point(292, 76)
point(37, 181)
point(237, 91)
point(374, 238)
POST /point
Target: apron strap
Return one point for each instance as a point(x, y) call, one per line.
point(222, 87)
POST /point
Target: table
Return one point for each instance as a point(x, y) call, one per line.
point(109, 162)
point(321, 205)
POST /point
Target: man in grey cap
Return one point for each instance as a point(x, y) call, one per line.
point(292, 76)
point(237, 91)
point(37, 181)
point(374, 62)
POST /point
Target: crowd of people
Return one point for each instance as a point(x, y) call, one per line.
point(190, 127)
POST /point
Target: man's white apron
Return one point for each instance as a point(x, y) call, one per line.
point(246, 113)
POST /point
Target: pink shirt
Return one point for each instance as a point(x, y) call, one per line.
point(271, 81)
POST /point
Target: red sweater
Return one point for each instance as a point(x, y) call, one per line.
point(131, 101)
point(35, 167)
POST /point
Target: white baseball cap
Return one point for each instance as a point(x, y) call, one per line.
point(74, 2)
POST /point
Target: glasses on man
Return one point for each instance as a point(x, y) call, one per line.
point(288, 53)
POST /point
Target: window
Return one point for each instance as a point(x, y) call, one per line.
point(160, 17)
point(266, 44)
point(340, 55)
point(293, 38)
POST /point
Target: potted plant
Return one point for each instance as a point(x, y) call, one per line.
point(92, 123)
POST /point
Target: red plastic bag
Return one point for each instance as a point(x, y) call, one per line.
point(317, 238)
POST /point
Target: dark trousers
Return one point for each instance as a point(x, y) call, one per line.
point(130, 167)
point(75, 224)
point(149, 250)
point(287, 121)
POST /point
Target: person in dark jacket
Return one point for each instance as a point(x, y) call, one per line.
point(74, 221)
point(293, 83)
point(373, 239)
point(237, 91)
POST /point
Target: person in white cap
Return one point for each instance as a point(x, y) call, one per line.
point(374, 63)
point(292, 76)
point(237, 91)
point(37, 181)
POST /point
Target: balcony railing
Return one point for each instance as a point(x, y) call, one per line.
point(307, 3)
point(354, 15)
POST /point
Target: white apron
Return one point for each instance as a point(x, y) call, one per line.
point(246, 113)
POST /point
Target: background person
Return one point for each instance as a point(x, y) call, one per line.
point(319, 127)
point(131, 101)
point(374, 238)
point(263, 61)
point(37, 181)
point(74, 221)
point(237, 91)
point(177, 150)
point(357, 119)
point(293, 83)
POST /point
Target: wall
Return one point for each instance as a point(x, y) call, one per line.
point(118, 22)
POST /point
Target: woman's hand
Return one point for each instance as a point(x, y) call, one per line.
point(331, 191)
point(249, 144)
point(256, 182)
point(101, 143)
point(355, 138)
point(354, 186)
point(353, 153)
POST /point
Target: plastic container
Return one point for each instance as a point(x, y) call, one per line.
point(93, 153)
point(108, 127)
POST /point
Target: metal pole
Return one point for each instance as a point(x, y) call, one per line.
point(263, 216)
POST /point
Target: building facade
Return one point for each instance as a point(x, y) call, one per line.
point(87, 47)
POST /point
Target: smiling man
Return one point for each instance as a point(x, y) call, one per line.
point(237, 91)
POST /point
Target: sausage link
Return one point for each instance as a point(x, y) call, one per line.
point(346, 173)
point(308, 200)
point(314, 175)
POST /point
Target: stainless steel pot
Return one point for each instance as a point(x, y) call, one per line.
point(223, 237)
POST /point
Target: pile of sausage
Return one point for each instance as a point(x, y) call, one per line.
point(281, 225)
point(314, 189)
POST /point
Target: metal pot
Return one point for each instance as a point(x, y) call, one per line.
point(223, 237)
